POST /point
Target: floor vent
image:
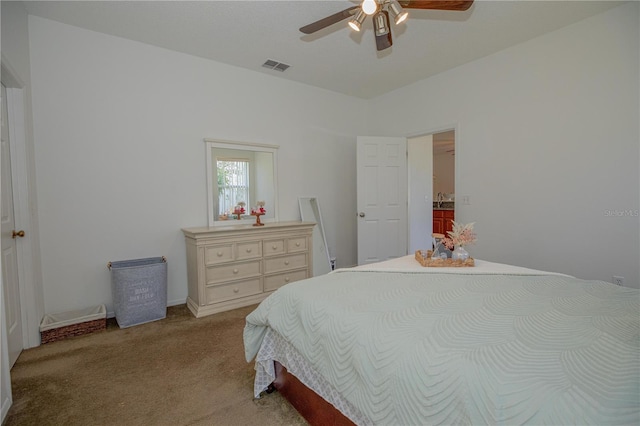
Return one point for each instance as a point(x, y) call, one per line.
point(275, 65)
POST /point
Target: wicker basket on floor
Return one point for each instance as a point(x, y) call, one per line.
point(62, 325)
point(73, 330)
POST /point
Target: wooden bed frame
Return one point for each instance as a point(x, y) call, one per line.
point(315, 409)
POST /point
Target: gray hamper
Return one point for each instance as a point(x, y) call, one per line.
point(139, 289)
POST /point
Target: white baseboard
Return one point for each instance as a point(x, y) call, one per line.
point(6, 404)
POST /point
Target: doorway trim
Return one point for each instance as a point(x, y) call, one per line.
point(30, 291)
point(455, 127)
point(439, 129)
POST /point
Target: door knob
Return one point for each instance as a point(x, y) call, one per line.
point(361, 214)
point(15, 234)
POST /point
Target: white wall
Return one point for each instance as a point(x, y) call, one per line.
point(546, 146)
point(120, 157)
point(546, 143)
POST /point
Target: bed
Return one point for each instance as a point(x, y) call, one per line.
point(396, 343)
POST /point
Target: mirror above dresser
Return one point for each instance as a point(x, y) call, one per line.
point(241, 176)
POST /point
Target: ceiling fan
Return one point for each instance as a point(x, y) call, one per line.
point(381, 10)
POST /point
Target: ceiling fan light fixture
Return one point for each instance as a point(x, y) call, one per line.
point(398, 14)
point(356, 22)
point(369, 7)
point(381, 24)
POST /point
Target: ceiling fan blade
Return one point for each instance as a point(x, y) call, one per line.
point(384, 41)
point(329, 20)
point(437, 4)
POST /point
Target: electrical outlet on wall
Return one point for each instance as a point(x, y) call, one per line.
point(618, 280)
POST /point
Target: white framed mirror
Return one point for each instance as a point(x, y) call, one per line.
point(244, 175)
point(310, 212)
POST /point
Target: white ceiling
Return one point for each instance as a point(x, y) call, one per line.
point(247, 33)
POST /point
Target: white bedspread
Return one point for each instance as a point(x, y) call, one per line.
point(491, 344)
point(482, 267)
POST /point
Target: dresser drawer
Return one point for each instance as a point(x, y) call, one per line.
point(296, 244)
point(272, 247)
point(234, 271)
point(285, 263)
point(218, 253)
point(273, 282)
point(221, 293)
point(249, 250)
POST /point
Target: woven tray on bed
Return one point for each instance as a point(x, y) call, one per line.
point(449, 263)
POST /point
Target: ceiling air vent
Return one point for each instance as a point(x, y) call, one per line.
point(275, 65)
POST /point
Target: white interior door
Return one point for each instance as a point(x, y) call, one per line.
point(381, 198)
point(420, 170)
point(10, 284)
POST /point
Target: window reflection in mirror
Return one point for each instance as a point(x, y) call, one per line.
point(240, 176)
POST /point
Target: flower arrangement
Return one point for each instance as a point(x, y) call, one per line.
point(239, 209)
point(259, 208)
point(258, 211)
point(460, 236)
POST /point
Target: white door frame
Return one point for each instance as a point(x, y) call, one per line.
point(6, 398)
point(439, 129)
point(420, 200)
point(31, 299)
point(445, 128)
point(382, 224)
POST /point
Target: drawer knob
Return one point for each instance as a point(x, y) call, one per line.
point(219, 254)
point(235, 271)
point(286, 262)
point(248, 250)
point(235, 290)
point(297, 244)
point(274, 247)
point(286, 280)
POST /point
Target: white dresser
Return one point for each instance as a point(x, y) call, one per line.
point(233, 266)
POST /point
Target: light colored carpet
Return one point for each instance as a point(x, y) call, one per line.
point(180, 370)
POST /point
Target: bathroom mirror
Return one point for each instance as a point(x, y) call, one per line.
point(310, 212)
point(237, 173)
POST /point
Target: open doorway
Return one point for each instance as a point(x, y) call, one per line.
point(443, 181)
point(412, 225)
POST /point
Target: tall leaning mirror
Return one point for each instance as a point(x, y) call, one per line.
point(240, 177)
point(310, 212)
